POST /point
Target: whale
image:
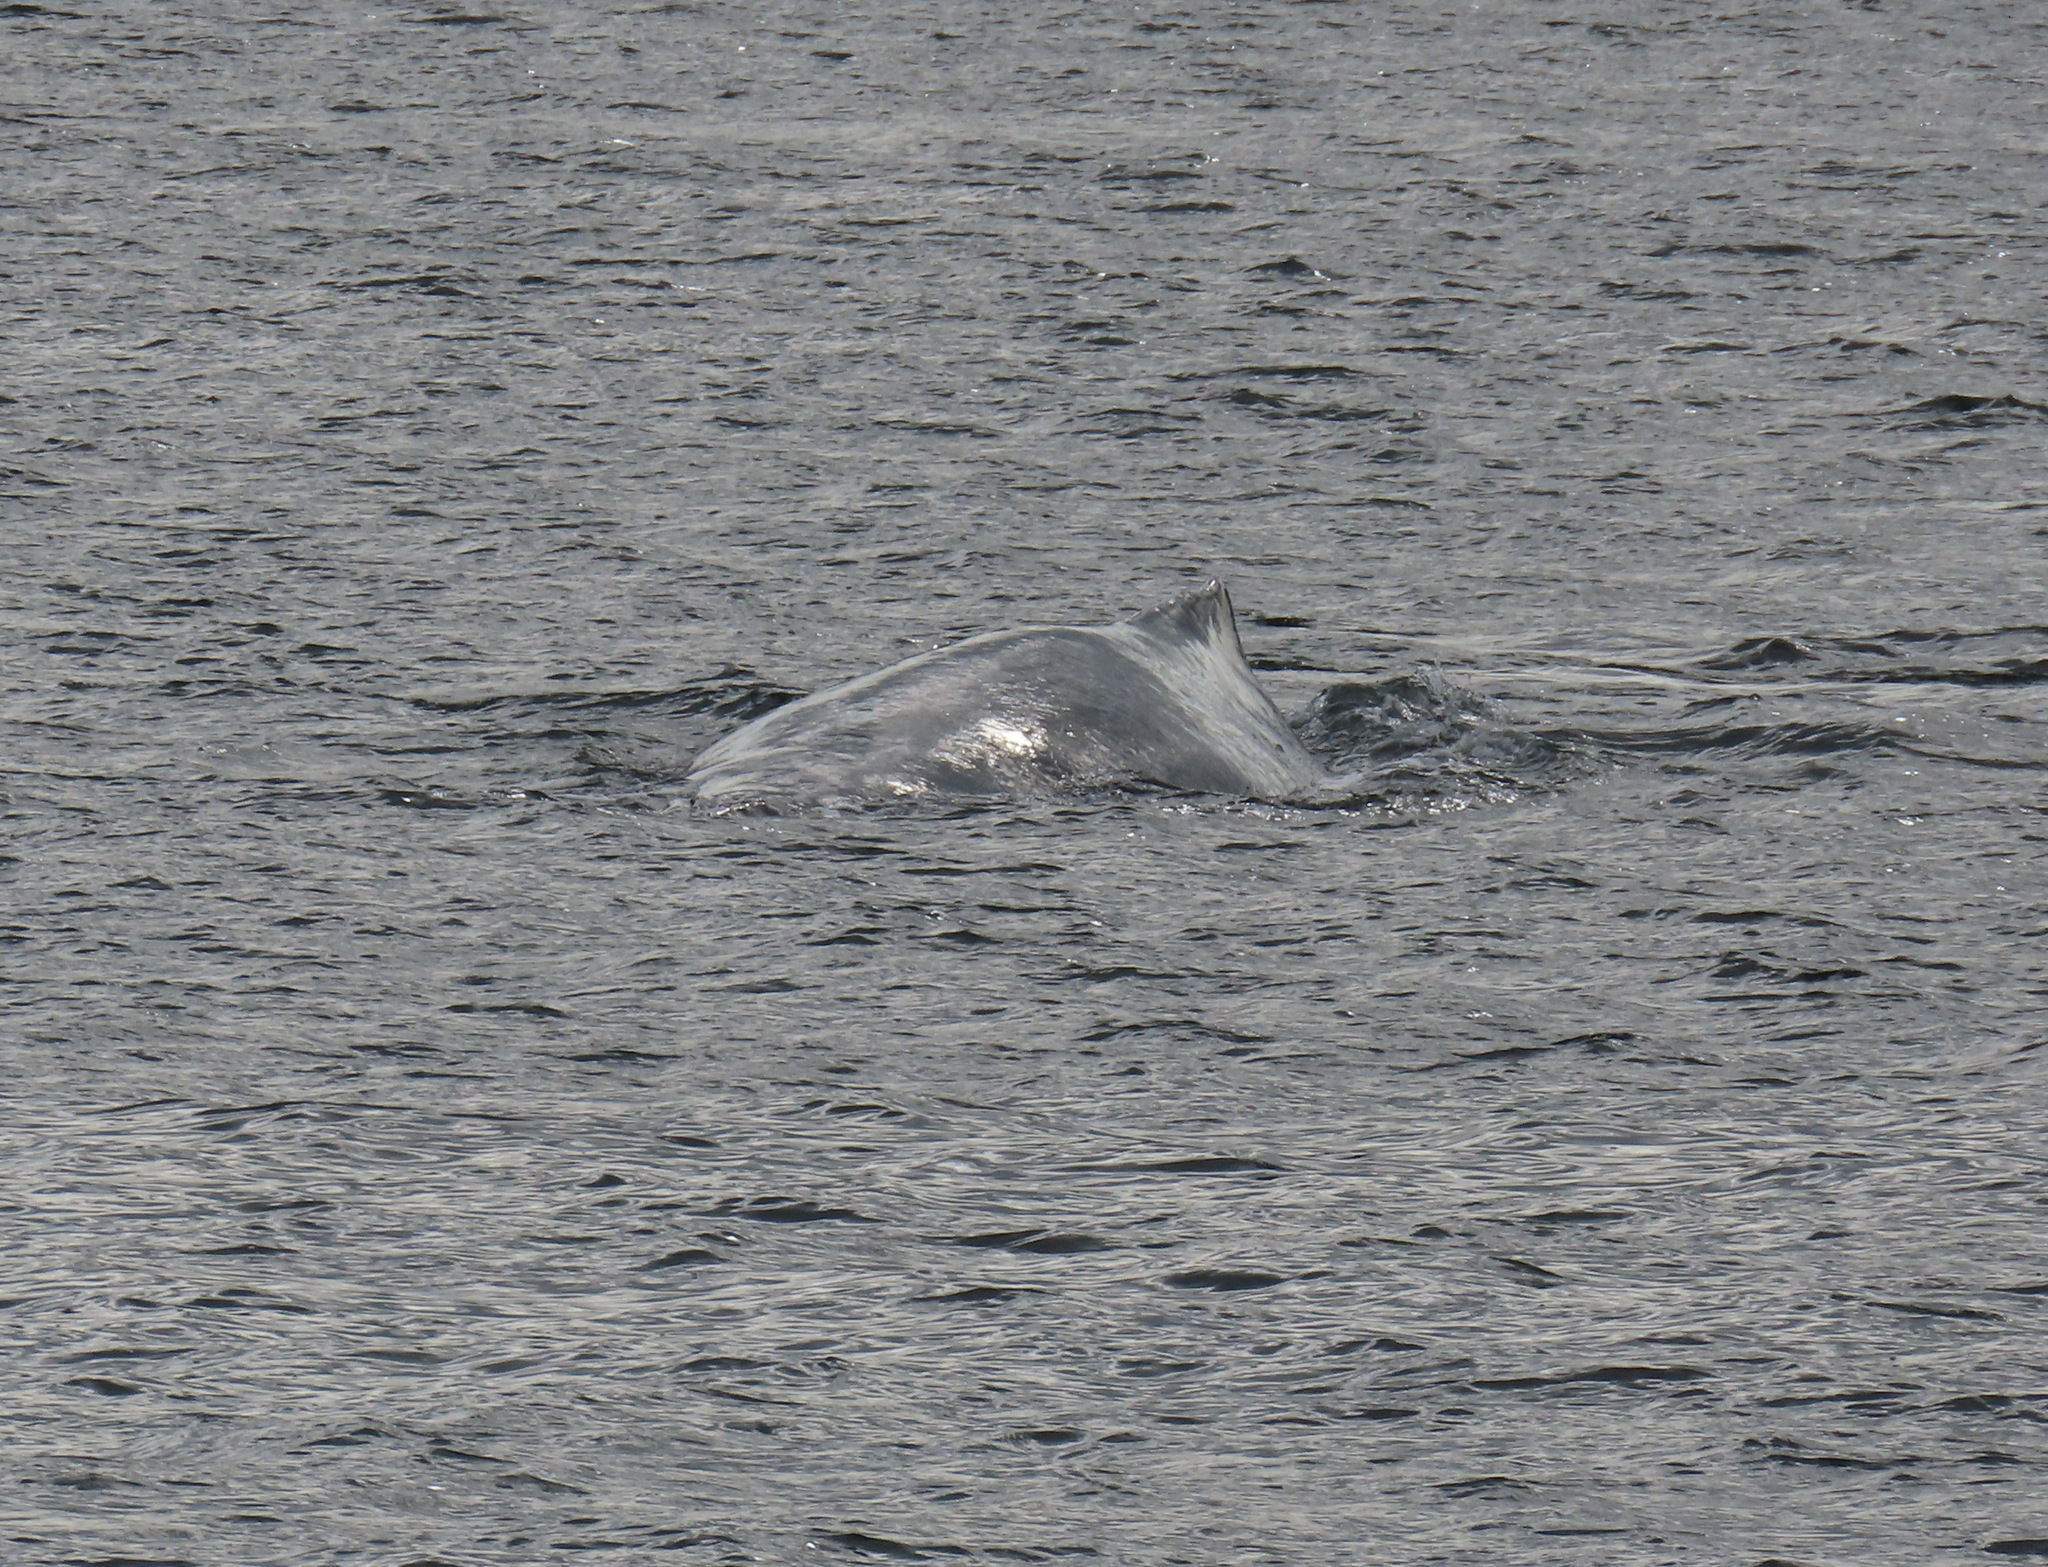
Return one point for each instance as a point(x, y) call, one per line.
point(1163, 701)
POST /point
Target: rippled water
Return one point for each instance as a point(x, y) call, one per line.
point(1614, 1138)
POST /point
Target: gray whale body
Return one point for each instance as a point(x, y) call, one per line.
point(1163, 700)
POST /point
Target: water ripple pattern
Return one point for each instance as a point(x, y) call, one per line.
point(1610, 1133)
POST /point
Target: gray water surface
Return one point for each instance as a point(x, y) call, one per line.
point(1613, 1138)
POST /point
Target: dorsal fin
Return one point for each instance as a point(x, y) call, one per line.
point(1203, 616)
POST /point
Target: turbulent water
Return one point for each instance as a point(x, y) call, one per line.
point(1614, 1137)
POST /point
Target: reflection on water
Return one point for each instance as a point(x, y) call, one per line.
point(1603, 1129)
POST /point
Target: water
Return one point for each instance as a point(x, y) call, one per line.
point(1615, 1138)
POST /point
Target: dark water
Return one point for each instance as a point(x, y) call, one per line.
point(1615, 1139)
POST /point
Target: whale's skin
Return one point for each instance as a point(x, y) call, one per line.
point(1163, 700)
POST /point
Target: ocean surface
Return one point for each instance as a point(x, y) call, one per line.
point(1614, 1137)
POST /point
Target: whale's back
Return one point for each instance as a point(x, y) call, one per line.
point(1165, 699)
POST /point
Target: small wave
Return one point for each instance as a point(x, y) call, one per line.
point(1416, 717)
point(729, 692)
point(1754, 740)
point(1280, 372)
point(1277, 405)
point(1762, 653)
point(2003, 656)
point(645, 735)
point(1416, 742)
point(1959, 411)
